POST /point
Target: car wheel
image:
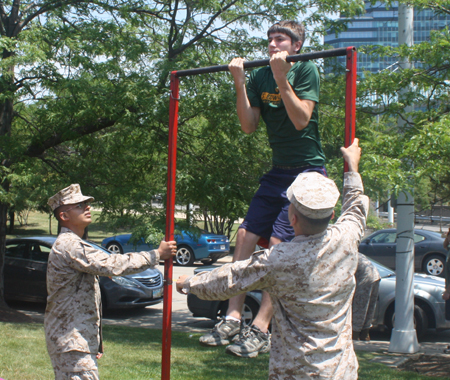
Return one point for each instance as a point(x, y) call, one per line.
point(434, 265)
point(420, 320)
point(249, 310)
point(184, 256)
point(114, 248)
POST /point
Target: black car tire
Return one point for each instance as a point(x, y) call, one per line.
point(184, 256)
point(114, 248)
point(434, 265)
point(420, 320)
point(209, 261)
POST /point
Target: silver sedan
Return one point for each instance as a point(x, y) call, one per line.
point(428, 309)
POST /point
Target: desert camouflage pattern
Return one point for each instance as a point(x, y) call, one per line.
point(68, 196)
point(311, 283)
point(314, 195)
point(447, 271)
point(366, 293)
point(72, 316)
point(75, 365)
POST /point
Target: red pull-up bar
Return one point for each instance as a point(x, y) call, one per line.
point(350, 110)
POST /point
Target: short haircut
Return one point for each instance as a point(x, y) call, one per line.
point(56, 213)
point(294, 29)
point(313, 226)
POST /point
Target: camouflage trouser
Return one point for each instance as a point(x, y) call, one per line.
point(363, 306)
point(447, 271)
point(75, 365)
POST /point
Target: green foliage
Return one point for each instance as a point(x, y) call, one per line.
point(374, 223)
point(90, 99)
point(413, 156)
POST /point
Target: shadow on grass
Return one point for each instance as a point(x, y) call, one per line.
point(32, 229)
point(188, 358)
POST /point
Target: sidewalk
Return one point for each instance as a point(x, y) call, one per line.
point(395, 360)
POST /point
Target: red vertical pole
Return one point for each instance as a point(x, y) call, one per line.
point(170, 224)
point(350, 99)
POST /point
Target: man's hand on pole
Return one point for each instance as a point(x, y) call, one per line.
point(280, 67)
point(236, 67)
point(352, 155)
point(167, 249)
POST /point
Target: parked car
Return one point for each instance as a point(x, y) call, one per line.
point(198, 246)
point(429, 252)
point(25, 274)
point(428, 309)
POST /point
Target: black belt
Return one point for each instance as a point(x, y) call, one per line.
point(288, 167)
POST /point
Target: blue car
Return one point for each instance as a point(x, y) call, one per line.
point(202, 246)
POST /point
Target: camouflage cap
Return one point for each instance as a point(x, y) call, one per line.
point(313, 195)
point(68, 196)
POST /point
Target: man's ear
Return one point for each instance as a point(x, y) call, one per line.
point(63, 216)
point(294, 219)
point(298, 46)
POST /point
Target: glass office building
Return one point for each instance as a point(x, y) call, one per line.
point(379, 26)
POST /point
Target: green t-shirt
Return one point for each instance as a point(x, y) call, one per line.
point(290, 147)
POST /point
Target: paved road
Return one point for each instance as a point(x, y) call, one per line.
point(151, 317)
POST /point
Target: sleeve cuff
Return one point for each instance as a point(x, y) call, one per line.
point(353, 179)
point(187, 285)
point(154, 257)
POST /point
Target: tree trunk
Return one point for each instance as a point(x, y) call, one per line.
point(3, 214)
point(11, 214)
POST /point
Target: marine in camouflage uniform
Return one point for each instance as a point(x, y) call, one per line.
point(446, 294)
point(73, 313)
point(311, 284)
point(365, 298)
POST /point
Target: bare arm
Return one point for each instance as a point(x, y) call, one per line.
point(352, 155)
point(248, 115)
point(298, 110)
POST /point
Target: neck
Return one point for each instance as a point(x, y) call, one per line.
point(77, 230)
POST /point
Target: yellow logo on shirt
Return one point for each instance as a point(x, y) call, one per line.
point(267, 97)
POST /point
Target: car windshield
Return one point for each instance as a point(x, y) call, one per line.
point(382, 270)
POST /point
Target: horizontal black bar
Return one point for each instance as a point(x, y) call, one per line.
point(265, 62)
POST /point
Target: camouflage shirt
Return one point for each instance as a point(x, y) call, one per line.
point(311, 283)
point(72, 316)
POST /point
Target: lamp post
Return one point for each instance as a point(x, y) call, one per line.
point(404, 337)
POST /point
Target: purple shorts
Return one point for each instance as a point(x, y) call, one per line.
point(267, 214)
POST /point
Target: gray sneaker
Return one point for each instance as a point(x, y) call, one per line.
point(252, 341)
point(221, 334)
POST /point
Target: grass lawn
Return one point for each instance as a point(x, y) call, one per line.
point(135, 354)
point(38, 225)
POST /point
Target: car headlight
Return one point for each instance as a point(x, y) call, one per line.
point(122, 281)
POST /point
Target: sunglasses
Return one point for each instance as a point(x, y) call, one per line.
point(80, 206)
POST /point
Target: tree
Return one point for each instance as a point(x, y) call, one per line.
point(417, 155)
point(84, 88)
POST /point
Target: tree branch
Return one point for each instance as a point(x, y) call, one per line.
point(37, 148)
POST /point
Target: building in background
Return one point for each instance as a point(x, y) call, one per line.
point(379, 26)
